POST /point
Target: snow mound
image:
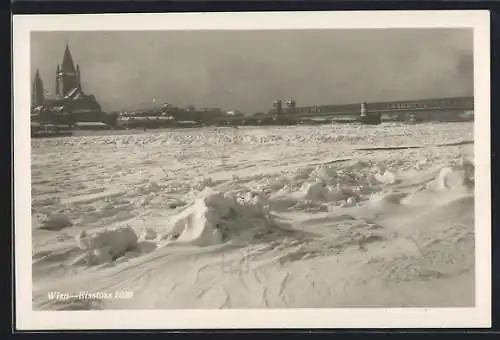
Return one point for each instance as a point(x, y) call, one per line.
point(460, 177)
point(217, 217)
point(148, 234)
point(55, 222)
point(105, 245)
point(317, 191)
point(448, 179)
point(386, 178)
point(388, 197)
point(446, 183)
point(320, 191)
point(326, 174)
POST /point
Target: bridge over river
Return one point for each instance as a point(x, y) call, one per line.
point(437, 109)
point(424, 108)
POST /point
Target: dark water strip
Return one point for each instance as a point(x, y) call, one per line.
point(413, 147)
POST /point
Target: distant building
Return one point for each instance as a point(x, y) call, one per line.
point(234, 113)
point(69, 96)
point(364, 111)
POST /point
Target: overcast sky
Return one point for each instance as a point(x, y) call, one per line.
point(247, 70)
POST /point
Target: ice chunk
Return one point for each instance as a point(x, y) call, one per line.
point(386, 178)
point(449, 178)
point(55, 222)
point(148, 234)
point(105, 245)
point(315, 191)
point(216, 217)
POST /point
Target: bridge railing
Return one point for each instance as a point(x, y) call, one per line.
point(436, 104)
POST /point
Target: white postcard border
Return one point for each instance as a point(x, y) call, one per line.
point(27, 319)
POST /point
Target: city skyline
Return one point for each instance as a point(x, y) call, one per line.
point(248, 70)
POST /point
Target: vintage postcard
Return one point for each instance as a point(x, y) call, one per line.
point(252, 170)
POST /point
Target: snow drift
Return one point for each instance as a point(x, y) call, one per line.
point(55, 222)
point(456, 178)
point(217, 217)
point(105, 245)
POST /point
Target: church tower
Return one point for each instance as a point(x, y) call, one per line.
point(37, 91)
point(57, 79)
point(68, 77)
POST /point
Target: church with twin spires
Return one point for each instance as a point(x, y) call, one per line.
point(69, 96)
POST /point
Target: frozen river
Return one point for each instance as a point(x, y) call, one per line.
point(303, 216)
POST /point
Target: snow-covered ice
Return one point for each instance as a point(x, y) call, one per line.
point(301, 216)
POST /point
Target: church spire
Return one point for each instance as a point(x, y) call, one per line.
point(68, 78)
point(37, 91)
point(78, 77)
point(67, 65)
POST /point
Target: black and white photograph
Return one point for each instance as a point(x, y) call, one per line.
point(243, 165)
